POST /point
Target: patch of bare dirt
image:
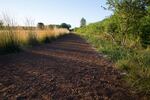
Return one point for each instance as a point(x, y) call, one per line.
point(67, 69)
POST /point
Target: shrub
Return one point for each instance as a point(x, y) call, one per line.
point(64, 25)
point(138, 68)
point(132, 59)
point(40, 25)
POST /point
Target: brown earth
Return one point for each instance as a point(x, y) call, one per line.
point(66, 69)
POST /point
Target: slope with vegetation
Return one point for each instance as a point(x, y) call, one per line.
point(125, 38)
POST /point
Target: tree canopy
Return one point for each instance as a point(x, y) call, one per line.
point(40, 25)
point(64, 25)
point(129, 16)
point(83, 22)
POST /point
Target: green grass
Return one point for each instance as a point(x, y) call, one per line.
point(132, 59)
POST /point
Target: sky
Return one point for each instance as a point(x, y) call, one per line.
point(54, 11)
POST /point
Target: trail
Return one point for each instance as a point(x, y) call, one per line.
point(66, 69)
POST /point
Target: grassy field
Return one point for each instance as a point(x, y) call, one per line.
point(13, 40)
point(132, 59)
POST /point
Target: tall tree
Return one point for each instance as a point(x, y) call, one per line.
point(128, 14)
point(83, 22)
point(64, 25)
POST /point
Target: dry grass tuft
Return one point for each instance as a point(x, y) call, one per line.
point(13, 39)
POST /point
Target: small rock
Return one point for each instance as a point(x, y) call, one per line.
point(123, 74)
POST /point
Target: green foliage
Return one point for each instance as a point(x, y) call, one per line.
point(111, 28)
point(131, 58)
point(40, 25)
point(145, 29)
point(128, 15)
point(94, 28)
point(137, 66)
point(145, 36)
point(121, 37)
point(64, 25)
point(83, 22)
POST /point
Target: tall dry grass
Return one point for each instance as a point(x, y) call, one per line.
point(12, 40)
point(24, 35)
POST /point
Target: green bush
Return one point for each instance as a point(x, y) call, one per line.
point(138, 69)
point(134, 59)
point(145, 36)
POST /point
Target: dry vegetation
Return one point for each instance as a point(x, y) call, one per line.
point(11, 40)
point(13, 37)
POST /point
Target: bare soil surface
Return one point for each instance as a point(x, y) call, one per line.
point(66, 69)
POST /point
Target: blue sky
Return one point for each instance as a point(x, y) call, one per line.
point(54, 11)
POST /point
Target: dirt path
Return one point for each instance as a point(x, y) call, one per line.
point(67, 69)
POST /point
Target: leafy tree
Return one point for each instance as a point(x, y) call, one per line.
point(40, 25)
point(64, 25)
point(83, 22)
point(128, 14)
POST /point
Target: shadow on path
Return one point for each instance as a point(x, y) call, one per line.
point(67, 69)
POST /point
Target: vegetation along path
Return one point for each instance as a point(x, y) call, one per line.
point(66, 69)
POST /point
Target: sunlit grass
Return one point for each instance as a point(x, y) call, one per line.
point(8, 42)
point(12, 40)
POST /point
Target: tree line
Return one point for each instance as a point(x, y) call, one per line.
point(40, 25)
